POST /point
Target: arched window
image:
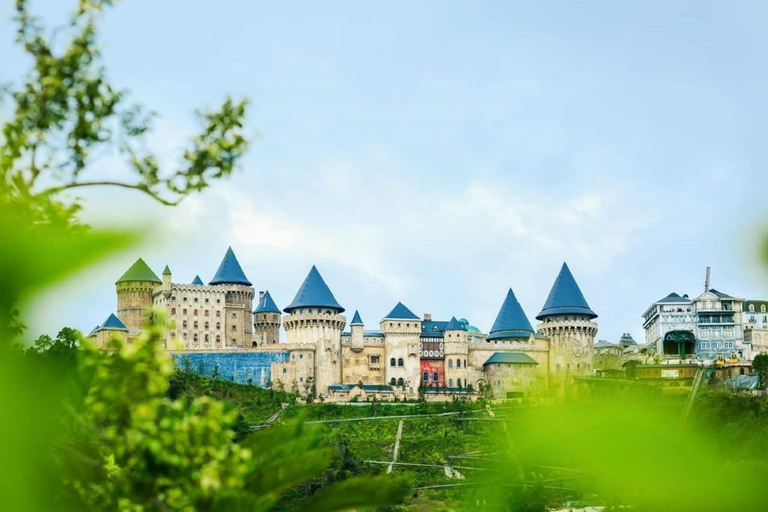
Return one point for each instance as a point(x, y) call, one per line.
point(458, 363)
point(751, 308)
point(194, 324)
point(184, 311)
point(218, 338)
point(173, 311)
point(458, 383)
point(206, 312)
point(218, 325)
point(392, 382)
point(435, 376)
point(392, 362)
point(184, 324)
point(400, 362)
point(285, 370)
point(400, 382)
point(450, 383)
point(218, 313)
point(425, 377)
point(465, 363)
point(206, 325)
point(195, 337)
point(206, 338)
point(762, 308)
point(450, 363)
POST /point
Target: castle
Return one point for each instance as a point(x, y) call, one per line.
point(217, 325)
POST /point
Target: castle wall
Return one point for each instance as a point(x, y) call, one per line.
point(512, 378)
point(250, 367)
point(133, 299)
point(321, 328)
point(366, 365)
point(401, 339)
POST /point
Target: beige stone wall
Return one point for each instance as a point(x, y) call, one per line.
point(536, 347)
point(296, 372)
point(571, 354)
point(266, 328)
point(320, 328)
point(133, 299)
point(197, 315)
point(239, 316)
point(456, 358)
point(401, 340)
point(366, 365)
point(505, 378)
point(104, 336)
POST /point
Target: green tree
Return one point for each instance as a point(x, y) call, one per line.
point(760, 365)
point(65, 110)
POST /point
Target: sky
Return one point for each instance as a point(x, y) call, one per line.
point(440, 153)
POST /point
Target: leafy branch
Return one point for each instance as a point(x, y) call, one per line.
point(66, 109)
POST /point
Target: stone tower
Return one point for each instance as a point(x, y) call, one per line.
point(134, 295)
point(357, 337)
point(402, 332)
point(314, 318)
point(456, 349)
point(111, 328)
point(513, 332)
point(238, 301)
point(567, 320)
point(266, 321)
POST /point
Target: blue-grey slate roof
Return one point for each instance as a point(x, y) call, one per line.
point(230, 271)
point(356, 320)
point(433, 328)
point(267, 305)
point(314, 293)
point(112, 323)
point(455, 325)
point(400, 312)
point(510, 358)
point(720, 294)
point(565, 298)
point(197, 281)
point(673, 297)
point(511, 321)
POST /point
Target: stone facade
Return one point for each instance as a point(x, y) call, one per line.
point(319, 357)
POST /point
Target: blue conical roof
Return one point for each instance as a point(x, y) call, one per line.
point(511, 321)
point(112, 322)
point(267, 305)
point(356, 320)
point(455, 325)
point(400, 312)
point(197, 281)
point(565, 298)
point(314, 293)
point(230, 271)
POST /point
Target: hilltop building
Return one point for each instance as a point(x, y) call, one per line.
point(716, 320)
point(216, 326)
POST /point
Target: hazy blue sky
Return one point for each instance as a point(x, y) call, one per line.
point(439, 153)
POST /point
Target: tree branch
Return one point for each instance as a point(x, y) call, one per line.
point(137, 186)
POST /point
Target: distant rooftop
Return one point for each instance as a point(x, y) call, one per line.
point(511, 321)
point(267, 305)
point(314, 293)
point(565, 297)
point(139, 271)
point(230, 271)
point(510, 358)
point(400, 312)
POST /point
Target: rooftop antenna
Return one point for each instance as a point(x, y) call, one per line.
point(706, 281)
